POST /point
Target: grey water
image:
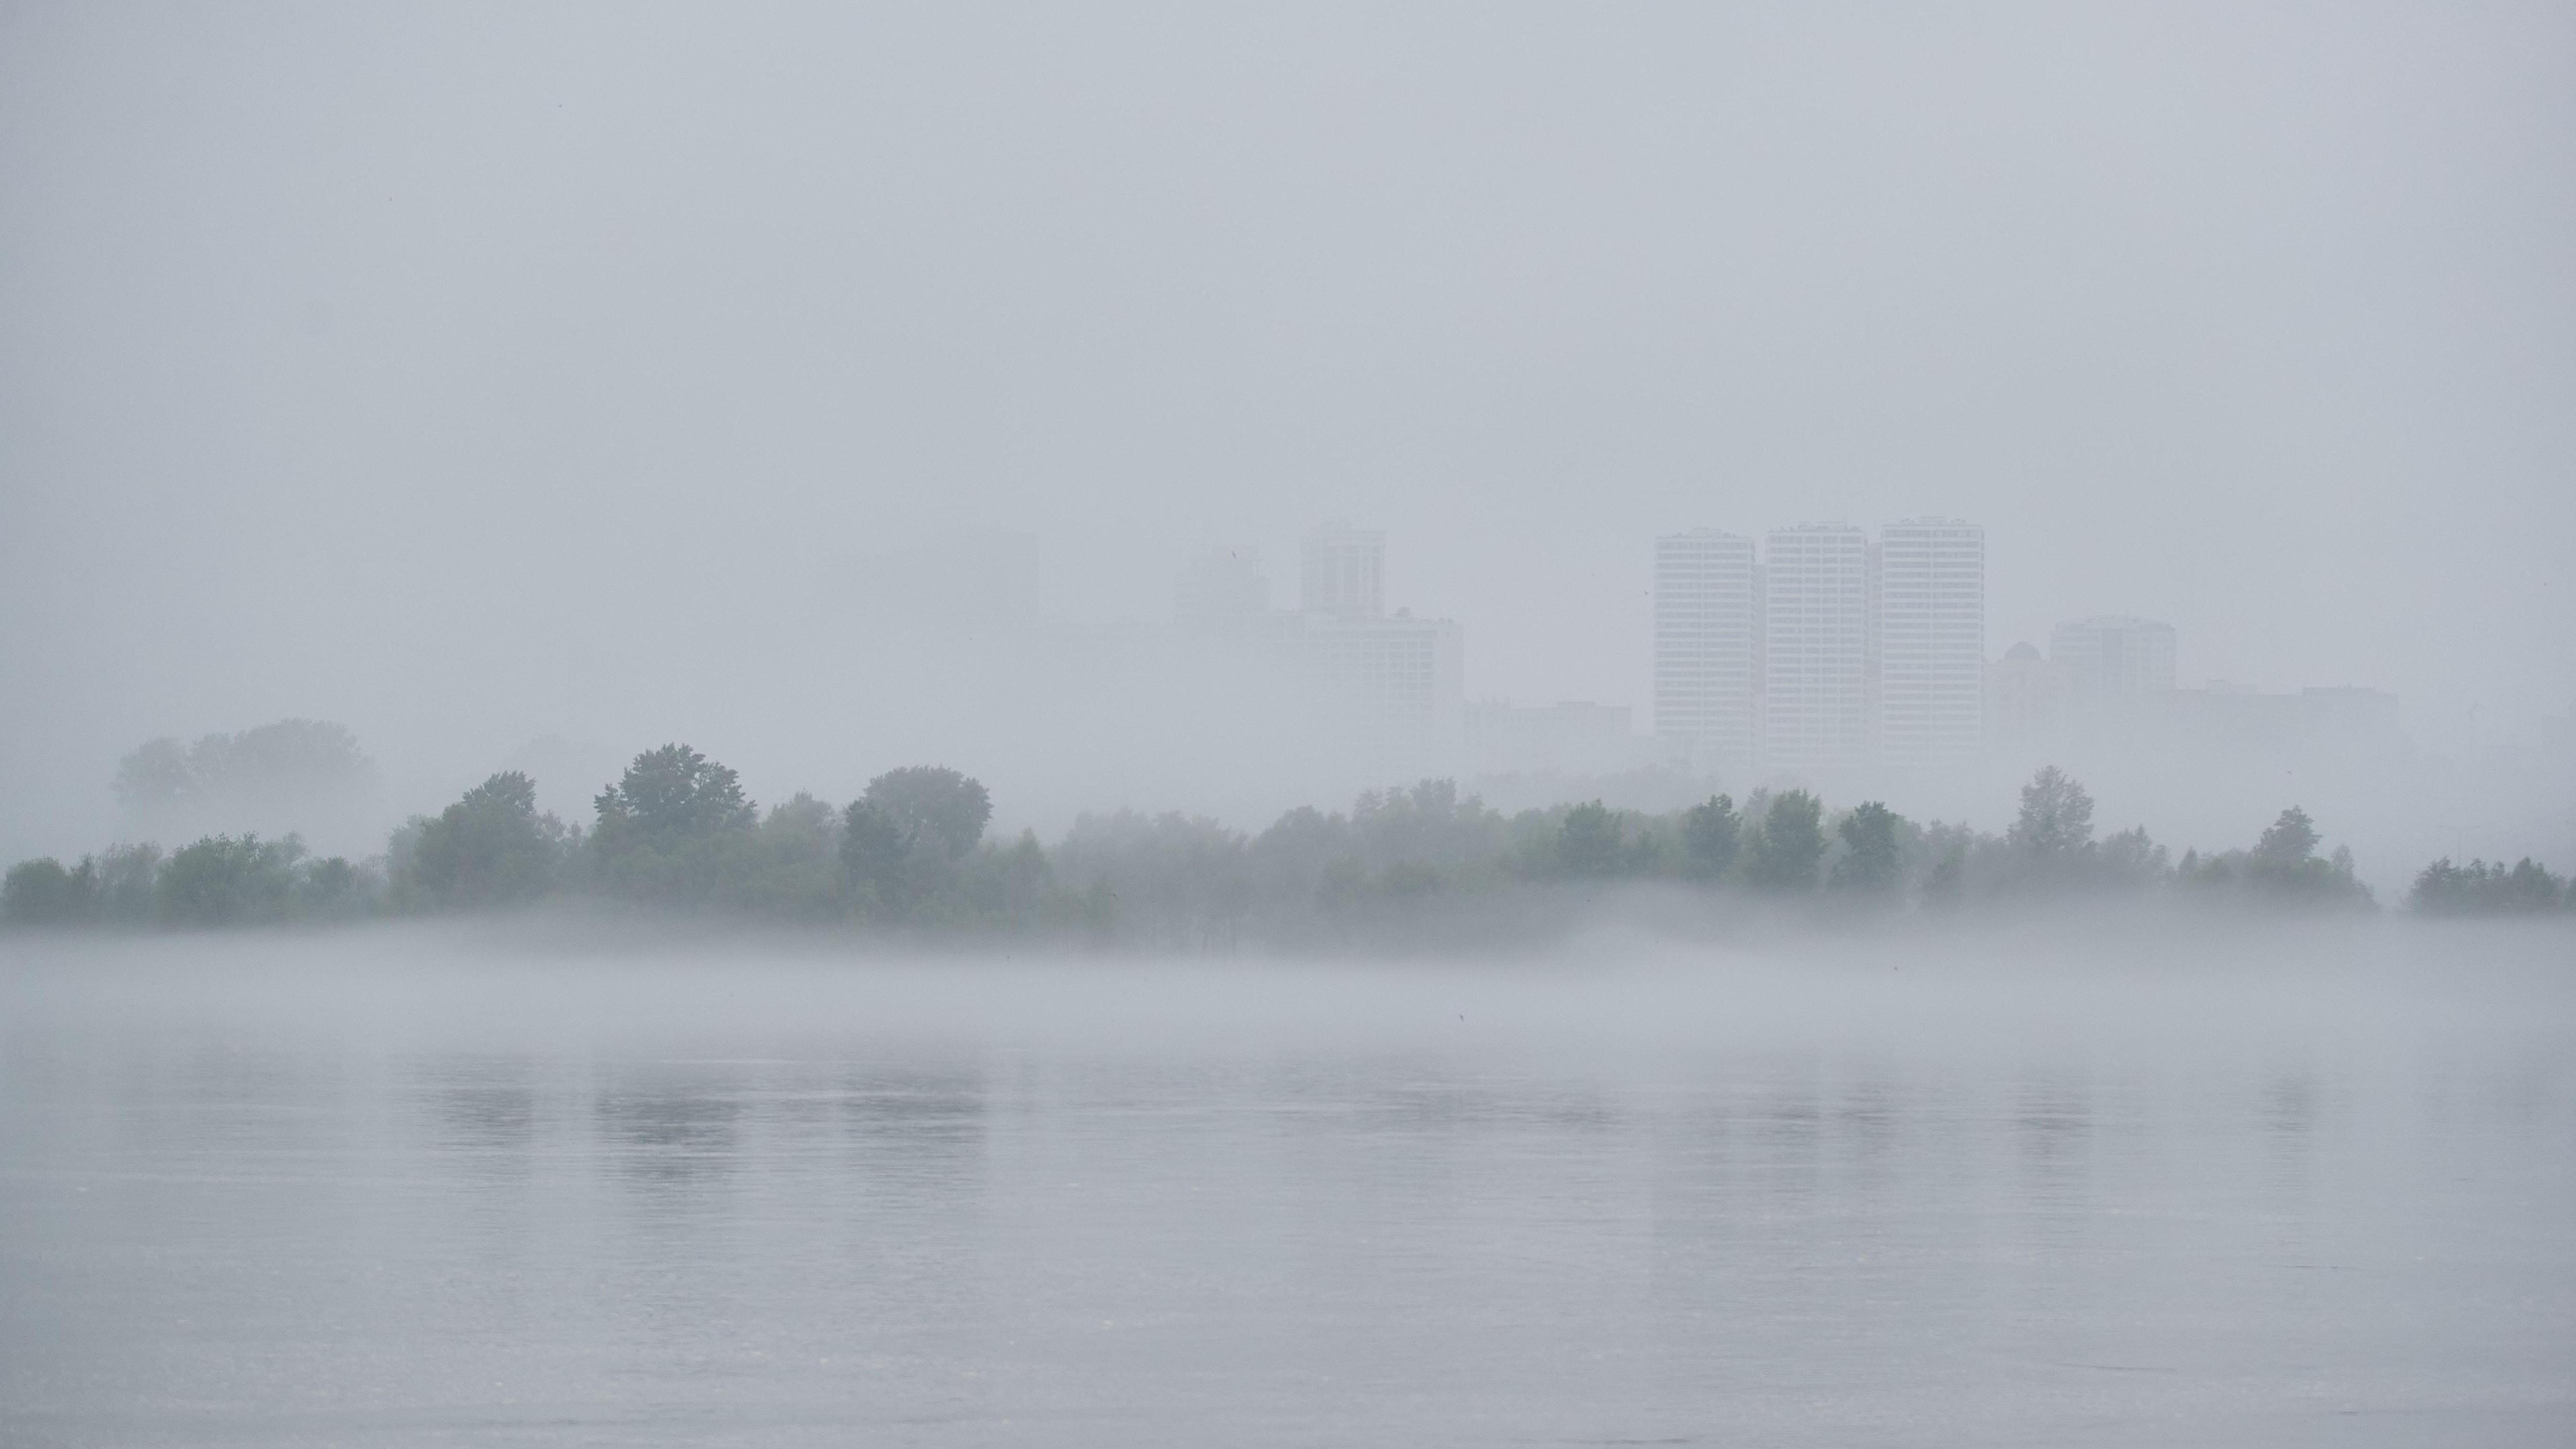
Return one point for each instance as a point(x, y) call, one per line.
point(402, 1188)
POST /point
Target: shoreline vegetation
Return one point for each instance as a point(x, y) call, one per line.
point(1415, 864)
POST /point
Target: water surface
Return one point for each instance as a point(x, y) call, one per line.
point(396, 1188)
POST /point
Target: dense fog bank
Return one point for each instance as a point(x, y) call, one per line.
point(2025, 984)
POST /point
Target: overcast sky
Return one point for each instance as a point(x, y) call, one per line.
point(436, 368)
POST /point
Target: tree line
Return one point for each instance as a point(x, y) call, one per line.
point(675, 831)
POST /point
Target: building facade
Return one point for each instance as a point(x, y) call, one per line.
point(1930, 646)
point(1401, 680)
point(1344, 572)
point(1816, 629)
point(2111, 664)
point(1705, 645)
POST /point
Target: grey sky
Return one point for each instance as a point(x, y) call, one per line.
point(446, 370)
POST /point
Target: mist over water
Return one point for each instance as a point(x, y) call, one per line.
point(2055, 1185)
point(1126, 724)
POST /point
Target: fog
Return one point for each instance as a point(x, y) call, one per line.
point(2064, 990)
point(1119, 725)
point(517, 386)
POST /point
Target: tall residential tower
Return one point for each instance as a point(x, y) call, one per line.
point(1401, 678)
point(1931, 627)
point(2111, 661)
point(1704, 645)
point(1815, 647)
point(1345, 572)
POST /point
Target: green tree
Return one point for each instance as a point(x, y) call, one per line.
point(1587, 843)
point(128, 876)
point(224, 880)
point(155, 777)
point(675, 827)
point(1784, 855)
point(1178, 880)
point(903, 840)
point(2444, 889)
point(1409, 880)
point(1011, 886)
point(936, 808)
point(2530, 886)
point(291, 773)
point(874, 850)
point(2478, 888)
point(1870, 865)
point(491, 848)
point(673, 793)
point(1429, 823)
point(2056, 820)
point(42, 893)
point(797, 871)
point(1945, 886)
point(1711, 832)
point(2131, 858)
point(2289, 842)
point(332, 889)
point(2282, 866)
point(1288, 862)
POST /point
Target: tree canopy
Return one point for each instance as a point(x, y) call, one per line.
point(1870, 865)
point(935, 808)
point(2056, 819)
point(492, 847)
point(1711, 831)
point(1786, 852)
point(1426, 859)
point(1588, 841)
point(673, 793)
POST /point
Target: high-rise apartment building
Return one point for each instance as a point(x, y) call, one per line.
point(1402, 679)
point(1930, 656)
point(1704, 644)
point(1396, 680)
point(1815, 638)
point(2109, 663)
point(1345, 571)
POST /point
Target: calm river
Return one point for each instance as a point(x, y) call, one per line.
point(385, 1188)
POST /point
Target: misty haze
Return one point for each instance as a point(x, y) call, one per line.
point(1444, 725)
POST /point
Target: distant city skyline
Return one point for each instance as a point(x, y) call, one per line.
point(1823, 649)
point(1832, 650)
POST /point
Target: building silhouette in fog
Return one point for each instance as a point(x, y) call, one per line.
point(1399, 679)
point(2111, 665)
point(1705, 645)
point(1344, 572)
point(1833, 650)
point(1815, 683)
point(1385, 679)
point(1930, 657)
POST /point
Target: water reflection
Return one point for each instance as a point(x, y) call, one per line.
point(669, 1126)
point(875, 1238)
point(939, 1110)
point(2290, 1104)
point(915, 1134)
point(483, 1106)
